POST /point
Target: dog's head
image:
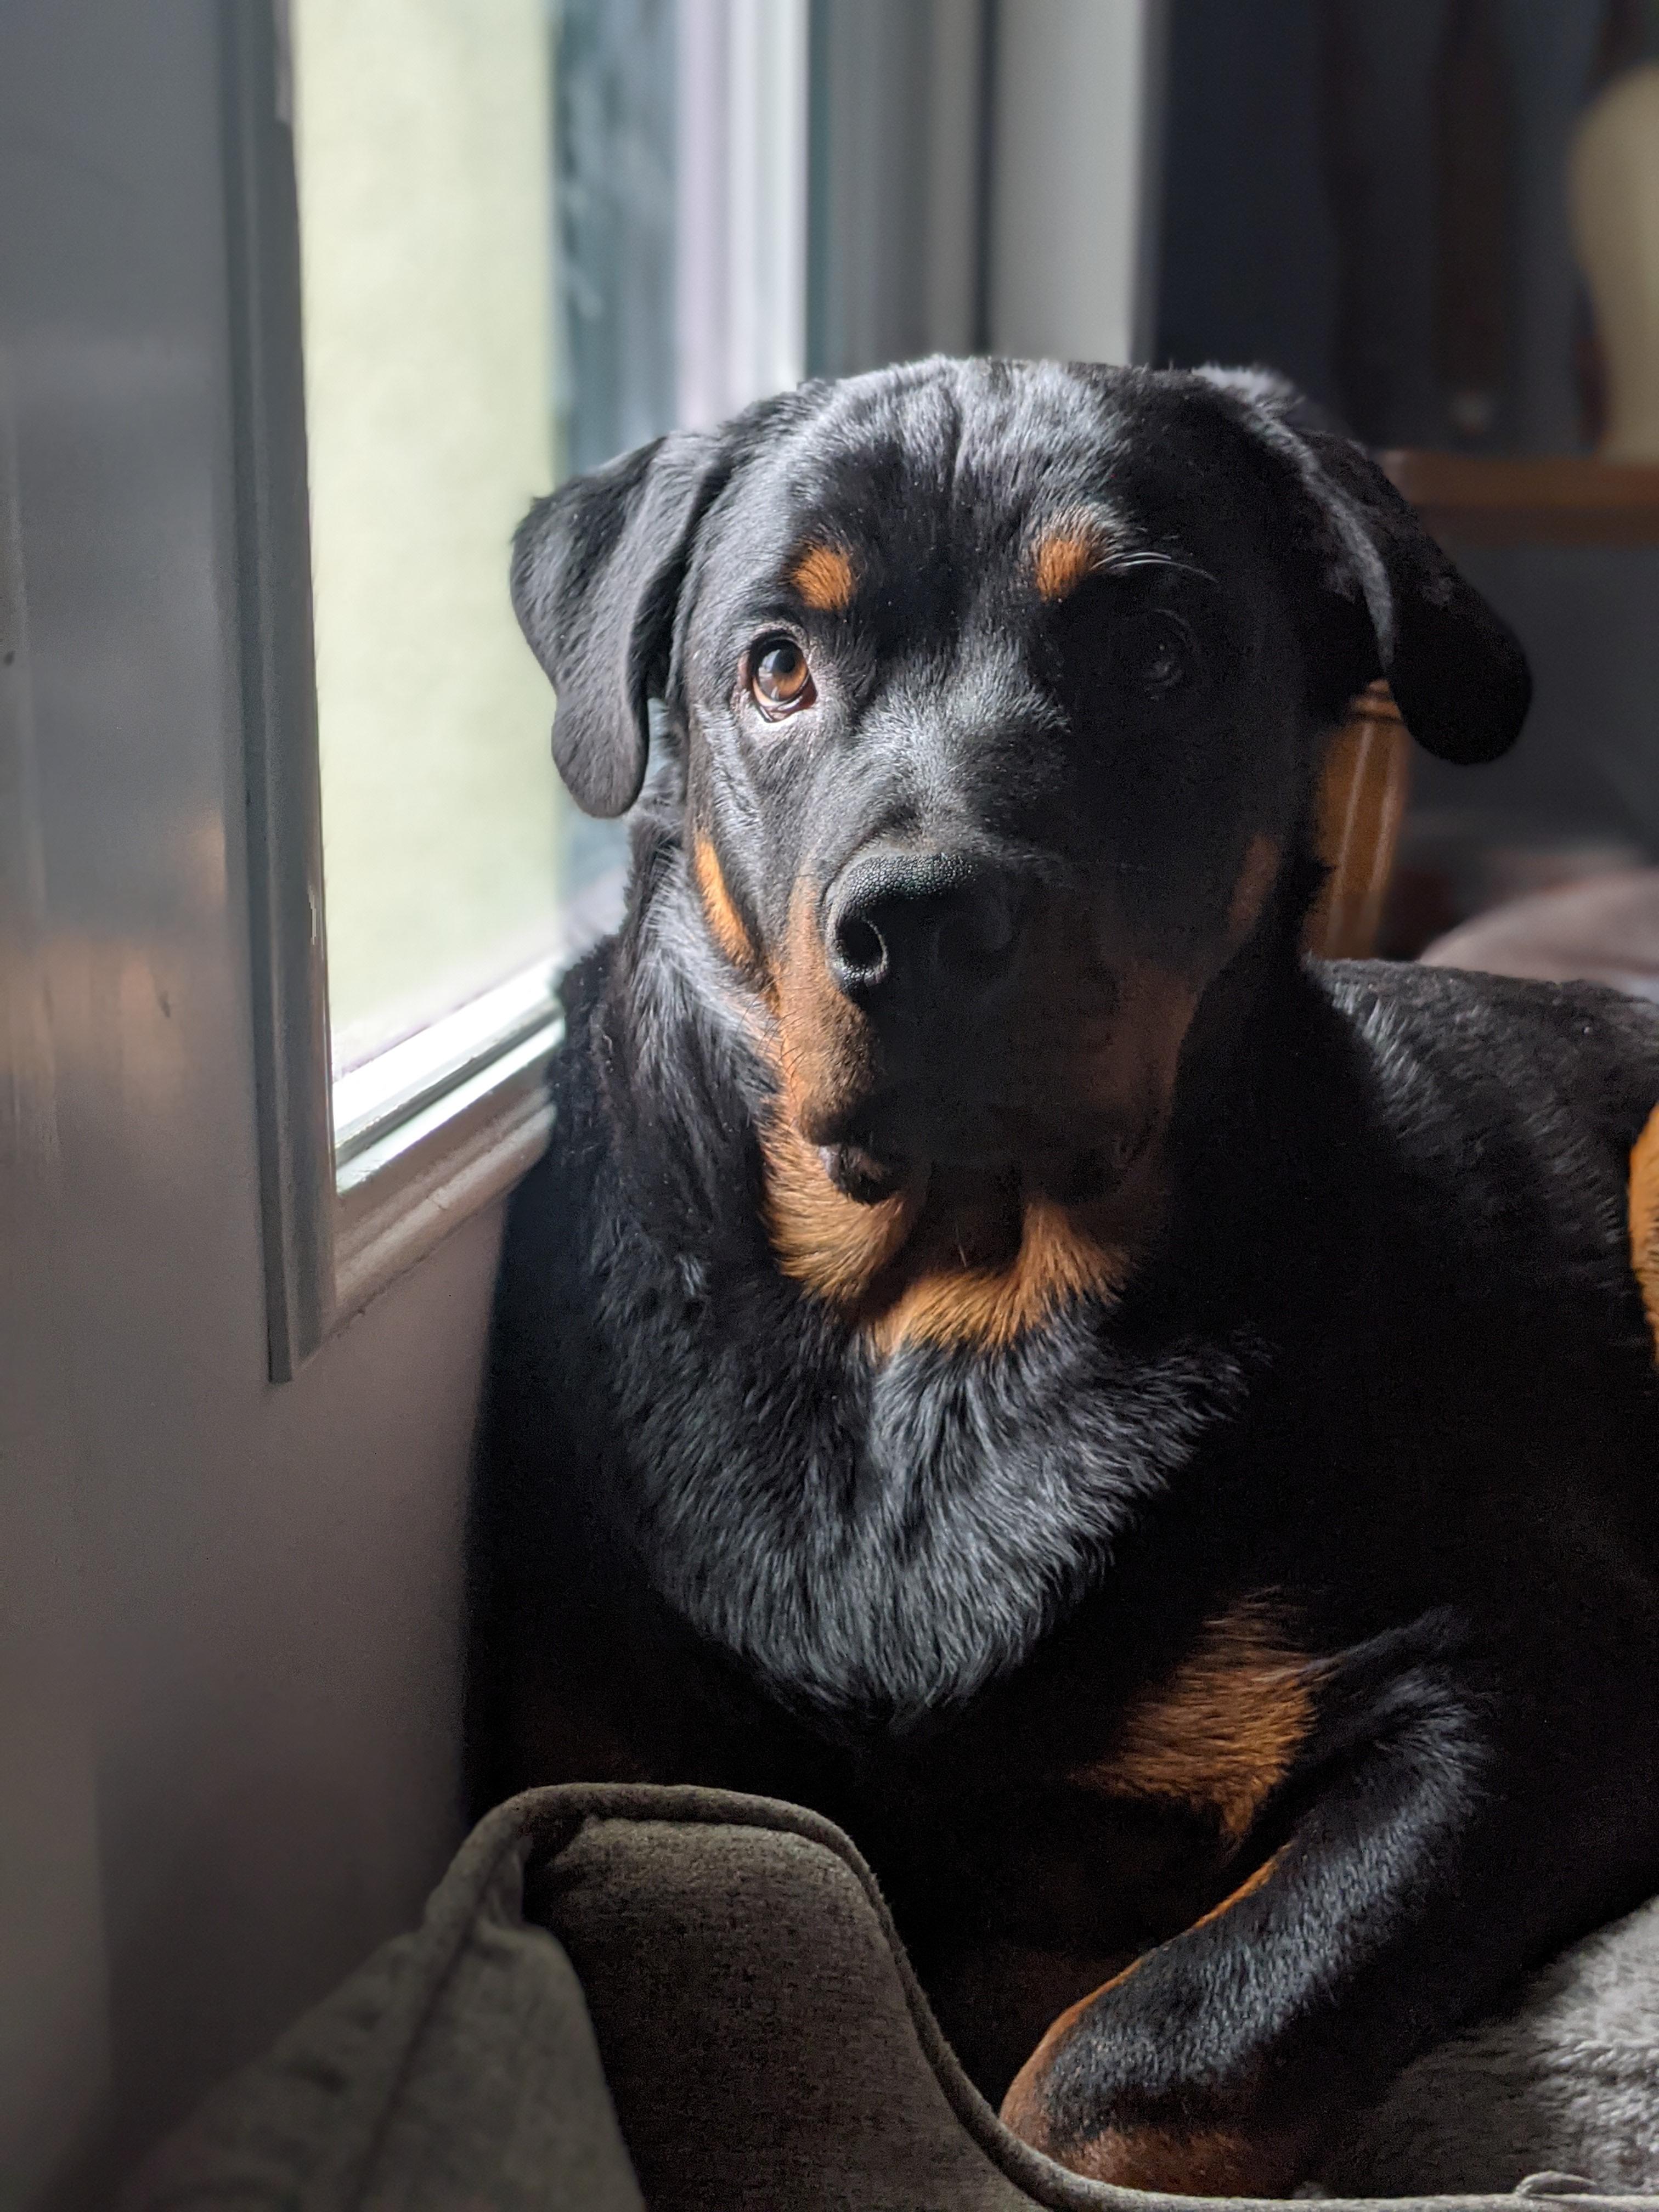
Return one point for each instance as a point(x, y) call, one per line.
point(1000, 689)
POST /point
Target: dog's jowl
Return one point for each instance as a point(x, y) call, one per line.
point(1157, 1438)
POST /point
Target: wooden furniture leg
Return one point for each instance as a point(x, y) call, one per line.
point(1361, 802)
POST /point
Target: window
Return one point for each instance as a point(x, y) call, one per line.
point(498, 238)
point(421, 144)
point(474, 244)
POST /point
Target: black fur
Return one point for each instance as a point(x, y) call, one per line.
point(1381, 1370)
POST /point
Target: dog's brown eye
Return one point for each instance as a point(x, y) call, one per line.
point(779, 678)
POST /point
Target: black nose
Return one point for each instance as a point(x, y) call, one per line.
point(896, 918)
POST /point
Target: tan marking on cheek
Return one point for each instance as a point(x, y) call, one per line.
point(831, 1244)
point(725, 922)
point(1222, 1732)
point(1113, 1052)
point(1643, 1196)
point(956, 1266)
point(824, 1239)
point(825, 579)
point(1066, 554)
point(1255, 880)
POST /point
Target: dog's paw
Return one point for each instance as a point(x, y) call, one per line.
point(1185, 2161)
point(1180, 2155)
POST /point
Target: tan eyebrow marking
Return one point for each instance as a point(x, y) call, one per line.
point(824, 577)
point(1066, 552)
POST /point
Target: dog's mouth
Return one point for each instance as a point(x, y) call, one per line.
point(894, 1143)
point(1065, 1100)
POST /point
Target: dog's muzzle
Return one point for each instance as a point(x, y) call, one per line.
point(905, 930)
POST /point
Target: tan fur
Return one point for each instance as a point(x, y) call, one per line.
point(1204, 2162)
point(827, 1242)
point(956, 1261)
point(1066, 554)
point(1188, 2162)
point(824, 1045)
point(1247, 1888)
point(990, 1306)
point(725, 922)
point(825, 579)
point(1221, 1731)
point(1644, 1220)
point(879, 1263)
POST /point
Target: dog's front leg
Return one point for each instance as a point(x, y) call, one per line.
point(1220, 2063)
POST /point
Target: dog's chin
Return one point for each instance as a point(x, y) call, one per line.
point(869, 1169)
point(868, 1177)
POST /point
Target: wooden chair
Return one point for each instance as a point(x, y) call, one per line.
point(1362, 804)
point(1464, 498)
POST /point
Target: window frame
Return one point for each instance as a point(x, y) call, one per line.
point(339, 1222)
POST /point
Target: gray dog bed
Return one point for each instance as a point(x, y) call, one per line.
point(676, 1998)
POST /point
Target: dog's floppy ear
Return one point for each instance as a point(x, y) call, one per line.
point(1456, 670)
point(597, 571)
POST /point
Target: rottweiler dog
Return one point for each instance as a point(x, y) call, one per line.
point(1157, 1437)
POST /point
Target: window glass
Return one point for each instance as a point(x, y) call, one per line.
point(617, 143)
point(423, 146)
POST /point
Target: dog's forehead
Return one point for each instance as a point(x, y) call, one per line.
point(980, 464)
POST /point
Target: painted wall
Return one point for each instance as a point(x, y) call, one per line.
point(228, 1612)
point(1072, 166)
point(1250, 273)
point(985, 178)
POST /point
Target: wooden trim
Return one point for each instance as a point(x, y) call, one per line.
point(1558, 499)
point(1362, 804)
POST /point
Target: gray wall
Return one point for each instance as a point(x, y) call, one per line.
point(229, 1703)
point(898, 126)
point(984, 178)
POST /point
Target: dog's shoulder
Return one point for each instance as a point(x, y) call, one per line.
point(1475, 1064)
point(1510, 1108)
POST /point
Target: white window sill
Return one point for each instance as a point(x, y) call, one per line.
point(404, 1184)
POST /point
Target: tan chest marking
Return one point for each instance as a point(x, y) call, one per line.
point(1643, 1189)
point(1222, 1731)
point(897, 1271)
